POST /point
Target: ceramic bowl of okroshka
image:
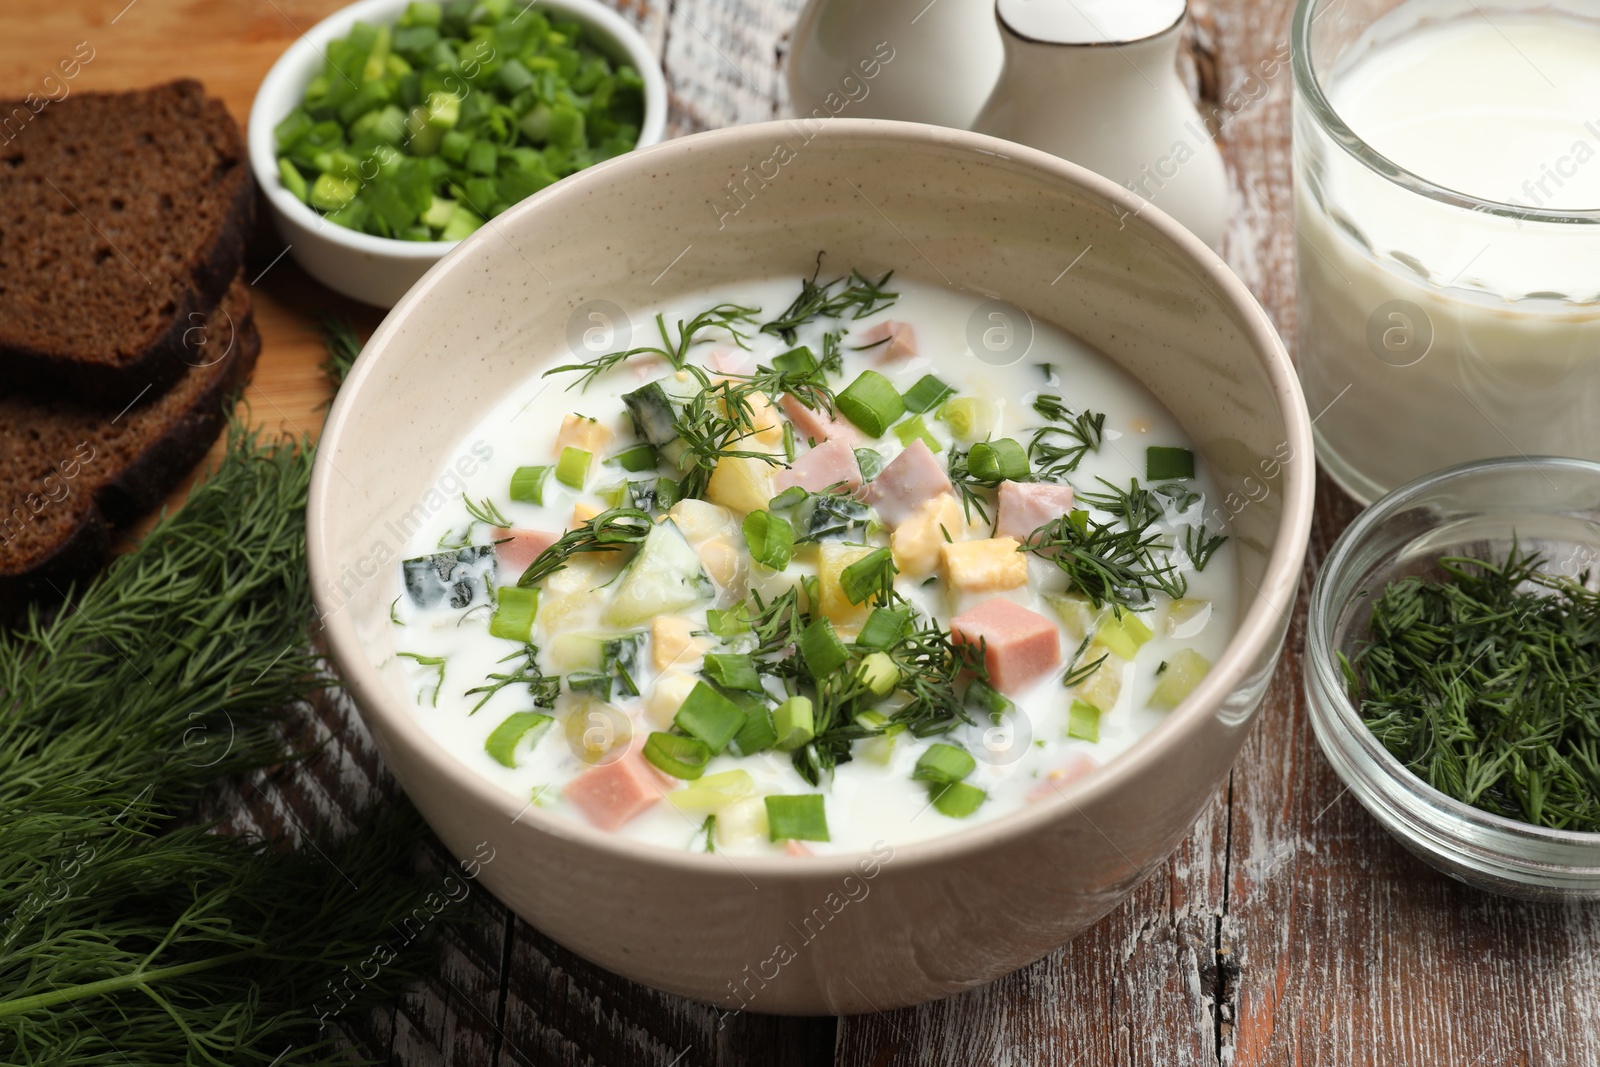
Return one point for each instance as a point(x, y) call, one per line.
point(898, 906)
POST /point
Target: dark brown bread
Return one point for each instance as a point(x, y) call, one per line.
point(123, 218)
point(70, 474)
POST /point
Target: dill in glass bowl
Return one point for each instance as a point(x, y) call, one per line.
point(1401, 629)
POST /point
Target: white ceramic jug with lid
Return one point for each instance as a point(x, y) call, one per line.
point(1096, 82)
point(895, 59)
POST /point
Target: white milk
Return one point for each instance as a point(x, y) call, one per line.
point(1443, 334)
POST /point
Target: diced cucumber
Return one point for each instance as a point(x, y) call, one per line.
point(665, 576)
point(1123, 636)
point(655, 408)
point(1178, 678)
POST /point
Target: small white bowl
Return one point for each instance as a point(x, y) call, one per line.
point(379, 270)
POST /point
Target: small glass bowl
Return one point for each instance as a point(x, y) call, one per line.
point(1552, 505)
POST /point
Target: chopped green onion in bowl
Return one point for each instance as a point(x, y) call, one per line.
point(423, 130)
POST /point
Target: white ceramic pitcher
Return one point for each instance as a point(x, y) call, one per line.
point(1096, 82)
point(921, 60)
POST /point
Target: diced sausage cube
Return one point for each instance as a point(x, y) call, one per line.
point(1076, 766)
point(828, 464)
point(615, 793)
point(731, 361)
point(910, 479)
point(1026, 506)
point(1019, 646)
point(895, 340)
point(987, 566)
point(817, 425)
point(515, 549)
point(917, 541)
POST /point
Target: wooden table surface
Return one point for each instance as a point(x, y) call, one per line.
point(1288, 929)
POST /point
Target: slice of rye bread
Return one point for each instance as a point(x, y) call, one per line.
point(70, 474)
point(123, 219)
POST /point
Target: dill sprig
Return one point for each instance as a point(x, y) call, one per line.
point(976, 494)
point(859, 297)
point(542, 689)
point(608, 531)
point(1485, 683)
point(1056, 449)
point(1120, 563)
point(130, 933)
point(726, 317)
point(486, 512)
point(343, 346)
point(710, 427)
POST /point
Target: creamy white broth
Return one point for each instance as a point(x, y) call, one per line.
point(866, 800)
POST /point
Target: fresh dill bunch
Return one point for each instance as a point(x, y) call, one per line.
point(343, 346)
point(128, 933)
point(1485, 682)
point(1121, 562)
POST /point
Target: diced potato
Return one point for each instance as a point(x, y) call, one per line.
point(917, 542)
point(1183, 672)
point(832, 559)
point(700, 519)
point(667, 696)
point(742, 822)
point(741, 483)
point(585, 433)
point(990, 565)
point(594, 728)
point(1104, 686)
point(723, 561)
point(582, 513)
point(672, 642)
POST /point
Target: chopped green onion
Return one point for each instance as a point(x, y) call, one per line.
point(994, 461)
point(944, 763)
point(770, 539)
point(732, 670)
point(757, 734)
point(928, 393)
point(872, 574)
point(788, 498)
point(988, 698)
point(878, 673)
point(797, 818)
point(667, 493)
point(871, 402)
point(969, 418)
point(958, 799)
point(515, 609)
point(527, 484)
point(884, 628)
point(794, 724)
point(870, 463)
point(795, 361)
point(709, 716)
point(681, 757)
point(713, 791)
point(730, 622)
point(292, 179)
point(1083, 721)
point(821, 648)
point(613, 494)
point(573, 467)
point(913, 428)
point(502, 742)
point(635, 458)
point(1162, 464)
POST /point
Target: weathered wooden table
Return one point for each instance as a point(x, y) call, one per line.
point(1288, 929)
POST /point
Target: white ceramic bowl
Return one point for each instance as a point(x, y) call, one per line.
point(838, 933)
point(379, 270)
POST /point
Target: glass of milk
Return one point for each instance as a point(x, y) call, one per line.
point(1447, 205)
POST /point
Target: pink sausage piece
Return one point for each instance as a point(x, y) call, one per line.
point(1076, 767)
point(614, 793)
point(1019, 646)
point(828, 464)
point(731, 361)
point(1026, 506)
point(895, 340)
point(518, 548)
point(817, 425)
point(911, 478)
